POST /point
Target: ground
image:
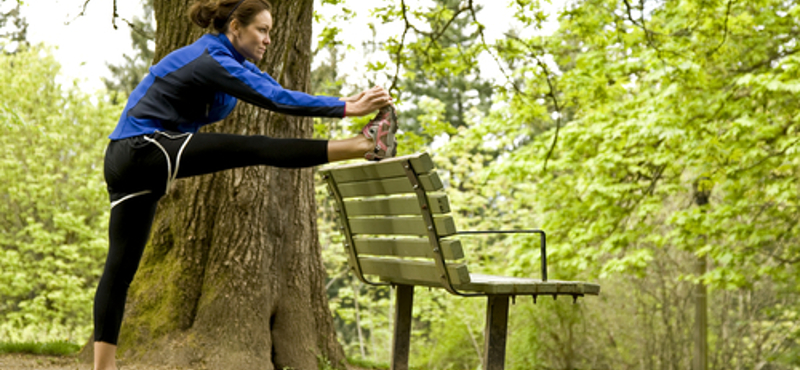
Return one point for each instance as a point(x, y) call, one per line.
point(32, 362)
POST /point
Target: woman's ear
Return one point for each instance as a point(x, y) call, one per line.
point(234, 27)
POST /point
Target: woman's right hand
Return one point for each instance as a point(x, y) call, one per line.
point(367, 101)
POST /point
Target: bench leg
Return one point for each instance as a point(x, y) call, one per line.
point(402, 326)
point(494, 350)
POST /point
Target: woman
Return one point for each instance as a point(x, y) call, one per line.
point(156, 142)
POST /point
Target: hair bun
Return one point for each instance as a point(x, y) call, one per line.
point(202, 13)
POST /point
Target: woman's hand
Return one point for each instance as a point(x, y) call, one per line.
point(354, 98)
point(367, 101)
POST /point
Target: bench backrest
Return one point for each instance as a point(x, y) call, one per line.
point(396, 221)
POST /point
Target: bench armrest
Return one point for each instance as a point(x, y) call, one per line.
point(531, 231)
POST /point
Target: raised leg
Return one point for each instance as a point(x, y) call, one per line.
point(402, 326)
point(496, 325)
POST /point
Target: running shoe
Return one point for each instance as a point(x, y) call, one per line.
point(381, 130)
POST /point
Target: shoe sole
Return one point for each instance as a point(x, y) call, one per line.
point(392, 150)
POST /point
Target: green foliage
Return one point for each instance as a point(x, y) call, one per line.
point(55, 348)
point(441, 67)
point(650, 123)
point(642, 136)
point(53, 206)
point(13, 27)
point(367, 364)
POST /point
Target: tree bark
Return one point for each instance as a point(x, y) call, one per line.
point(232, 277)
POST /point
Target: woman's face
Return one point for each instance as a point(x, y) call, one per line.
point(252, 41)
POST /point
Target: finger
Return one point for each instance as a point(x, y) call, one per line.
point(380, 93)
point(374, 97)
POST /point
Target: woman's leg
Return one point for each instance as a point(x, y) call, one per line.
point(129, 229)
point(207, 153)
point(342, 150)
point(183, 156)
point(105, 356)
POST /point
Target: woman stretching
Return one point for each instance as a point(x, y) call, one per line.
point(156, 139)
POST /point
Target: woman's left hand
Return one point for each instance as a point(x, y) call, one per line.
point(367, 101)
point(353, 98)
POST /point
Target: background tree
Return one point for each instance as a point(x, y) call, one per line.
point(442, 67)
point(603, 129)
point(53, 204)
point(126, 76)
point(661, 99)
point(13, 27)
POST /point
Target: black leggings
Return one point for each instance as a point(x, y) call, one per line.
point(138, 172)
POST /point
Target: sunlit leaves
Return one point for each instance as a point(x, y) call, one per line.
point(671, 134)
point(53, 206)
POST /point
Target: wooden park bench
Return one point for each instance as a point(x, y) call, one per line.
point(395, 219)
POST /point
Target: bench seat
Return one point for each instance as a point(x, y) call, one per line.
point(506, 285)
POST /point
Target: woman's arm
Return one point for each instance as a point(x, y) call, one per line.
point(223, 73)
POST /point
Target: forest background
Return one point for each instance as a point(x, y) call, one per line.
point(655, 141)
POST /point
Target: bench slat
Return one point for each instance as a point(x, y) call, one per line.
point(379, 201)
point(408, 247)
point(401, 226)
point(391, 167)
point(405, 205)
point(389, 186)
point(419, 272)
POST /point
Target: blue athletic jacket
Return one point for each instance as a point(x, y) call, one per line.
point(199, 84)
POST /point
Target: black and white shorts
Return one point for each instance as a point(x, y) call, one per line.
point(145, 164)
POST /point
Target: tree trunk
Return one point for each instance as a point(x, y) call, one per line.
point(232, 277)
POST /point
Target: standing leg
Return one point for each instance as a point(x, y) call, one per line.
point(129, 229)
point(494, 357)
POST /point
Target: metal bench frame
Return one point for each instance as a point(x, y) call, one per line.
point(497, 304)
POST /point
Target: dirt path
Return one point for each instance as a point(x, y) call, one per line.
point(19, 362)
point(32, 362)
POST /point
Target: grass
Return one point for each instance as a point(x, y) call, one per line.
point(367, 364)
point(57, 348)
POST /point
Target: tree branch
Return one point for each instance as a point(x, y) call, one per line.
point(81, 14)
point(769, 156)
point(647, 32)
point(115, 15)
point(399, 54)
point(483, 41)
point(551, 93)
point(725, 33)
point(769, 60)
point(444, 28)
point(434, 37)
